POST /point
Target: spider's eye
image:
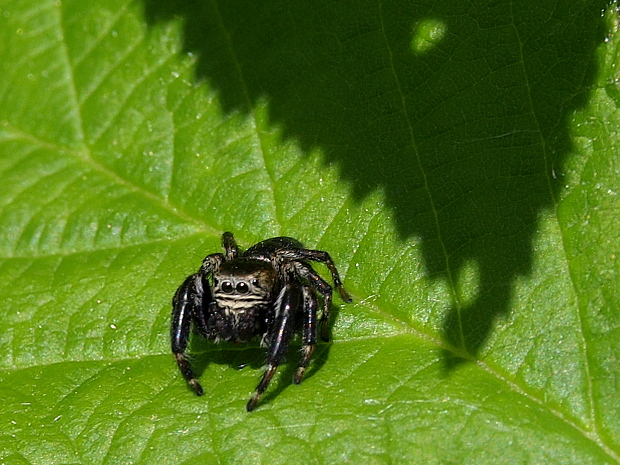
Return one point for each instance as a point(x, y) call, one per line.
point(255, 282)
point(242, 288)
point(227, 287)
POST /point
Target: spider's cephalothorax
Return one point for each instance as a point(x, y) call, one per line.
point(270, 290)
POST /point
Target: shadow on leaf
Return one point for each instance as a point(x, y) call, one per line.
point(458, 111)
point(239, 357)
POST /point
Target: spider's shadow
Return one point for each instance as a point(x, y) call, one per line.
point(252, 356)
point(321, 354)
point(204, 353)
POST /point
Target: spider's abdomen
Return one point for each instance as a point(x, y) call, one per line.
point(267, 248)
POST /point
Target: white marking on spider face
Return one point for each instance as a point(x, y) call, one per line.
point(231, 303)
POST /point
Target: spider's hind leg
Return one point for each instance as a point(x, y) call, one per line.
point(308, 331)
point(306, 272)
point(321, 257)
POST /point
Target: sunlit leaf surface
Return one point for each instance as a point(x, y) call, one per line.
point(459, 161)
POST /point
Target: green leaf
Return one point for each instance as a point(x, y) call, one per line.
point(457, 159)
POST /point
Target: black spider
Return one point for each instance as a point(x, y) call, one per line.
point(269, 290)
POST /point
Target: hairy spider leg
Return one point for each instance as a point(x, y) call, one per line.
point(187, 308)
point(211, 263)
point(230, 246)
point(306, 272)
point(286, 306)
point(321, 257)
point(325, 289)
point(308, 331)
point(187, 297)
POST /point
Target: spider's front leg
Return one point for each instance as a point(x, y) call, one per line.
point(186, 302)
point(279, 337)
point(188, 306)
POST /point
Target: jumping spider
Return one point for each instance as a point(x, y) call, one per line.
point(269, 290)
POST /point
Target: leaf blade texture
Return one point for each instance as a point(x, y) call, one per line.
point(457, 161)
